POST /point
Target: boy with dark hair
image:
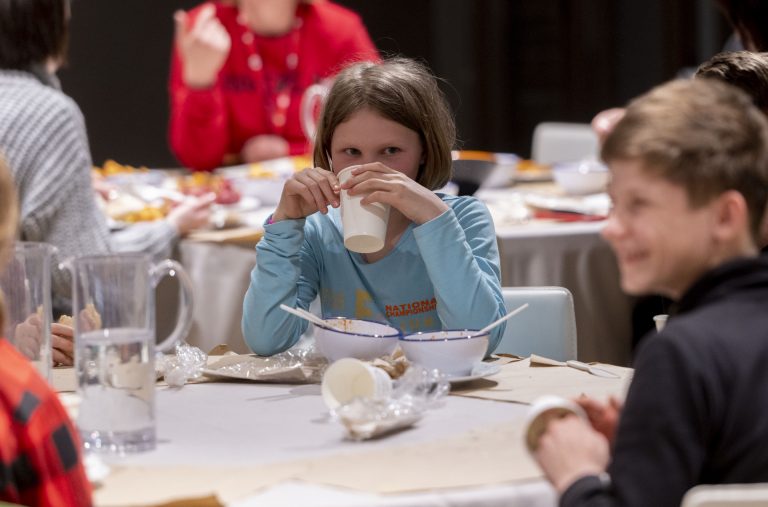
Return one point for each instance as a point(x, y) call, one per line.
point(689, 165)
point(745, 70)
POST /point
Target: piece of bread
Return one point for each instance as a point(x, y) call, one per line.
point(67, 321)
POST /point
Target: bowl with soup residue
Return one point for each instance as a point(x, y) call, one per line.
point(453, 352)
point(358, 338)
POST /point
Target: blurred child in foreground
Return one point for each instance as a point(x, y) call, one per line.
point(40, 452)
point(689, 166)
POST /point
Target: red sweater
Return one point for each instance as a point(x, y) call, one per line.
point(40, 451)
point(209, 126)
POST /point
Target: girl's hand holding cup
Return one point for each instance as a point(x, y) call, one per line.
point(388, 186)
point(308, 192)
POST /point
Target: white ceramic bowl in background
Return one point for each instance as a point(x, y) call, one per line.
point(582, 177)
point(361, 339)
point(453, 352)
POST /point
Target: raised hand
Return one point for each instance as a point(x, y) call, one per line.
point(203, 45)
point(192, 213)
point(308, 192)
point(385, 185)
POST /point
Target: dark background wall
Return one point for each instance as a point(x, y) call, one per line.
point(507, 64)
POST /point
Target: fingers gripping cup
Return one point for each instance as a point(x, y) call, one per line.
point(365, 225)
point(348, 378)
point(543, 410)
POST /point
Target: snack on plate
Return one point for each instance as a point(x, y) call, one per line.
point(145, 214)
point(278, 168)
point(529, 170)
point(111, 167)
point(202, 183)
point(531, 166)
point(486, 156)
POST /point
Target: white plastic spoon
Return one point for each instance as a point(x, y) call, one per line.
point(507, 316)
point(301, 313)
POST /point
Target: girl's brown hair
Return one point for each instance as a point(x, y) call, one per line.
point(8, 216)
point(401, 90)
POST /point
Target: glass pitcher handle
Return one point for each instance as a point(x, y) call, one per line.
point(187, 300)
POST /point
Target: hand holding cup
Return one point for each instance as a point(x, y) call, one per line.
point(308, 192)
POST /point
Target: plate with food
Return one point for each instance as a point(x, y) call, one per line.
point(530, 171)
point(265, 180)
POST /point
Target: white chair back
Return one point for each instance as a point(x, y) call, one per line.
point(727, 495)
point(546, 328)
point(562, 142)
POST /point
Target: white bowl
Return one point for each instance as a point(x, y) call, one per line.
point(361, 339)
point(453, 352)
point(582, 177)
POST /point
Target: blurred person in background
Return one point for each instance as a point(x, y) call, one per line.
point(240, 69)
point(44, 142)
point(40, 452)
point(749, 19)
point(746, 70)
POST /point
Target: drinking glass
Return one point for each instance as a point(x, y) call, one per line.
point(26, 283)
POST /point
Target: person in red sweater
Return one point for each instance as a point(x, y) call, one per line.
point(240, 68)
point(40, 452)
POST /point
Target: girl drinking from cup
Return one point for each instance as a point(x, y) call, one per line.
point(439, 264)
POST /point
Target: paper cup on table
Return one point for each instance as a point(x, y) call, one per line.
point(365, 225)
point(660, 321)
point(348, 378)
point(543, 410)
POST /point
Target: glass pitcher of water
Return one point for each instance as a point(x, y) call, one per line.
point(114, 315)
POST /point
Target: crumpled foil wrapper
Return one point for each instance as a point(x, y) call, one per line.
point(186, 363)
point(416, 391)
point(292, 366)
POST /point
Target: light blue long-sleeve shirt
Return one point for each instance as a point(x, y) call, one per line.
point(443, 274)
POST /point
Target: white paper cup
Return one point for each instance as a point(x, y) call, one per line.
point(349, 378)
point(365, 225)
point(660, 321)
point(543, 410)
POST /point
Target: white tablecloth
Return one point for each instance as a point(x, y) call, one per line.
point(241, 425)
point(574, 256)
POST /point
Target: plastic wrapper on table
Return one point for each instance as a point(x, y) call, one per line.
point(293, 366)
point(414, 393)
point(186, 363)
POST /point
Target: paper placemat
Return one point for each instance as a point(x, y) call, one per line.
point(520, 382)
point(456, 462)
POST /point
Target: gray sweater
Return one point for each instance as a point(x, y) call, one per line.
point(44, 141)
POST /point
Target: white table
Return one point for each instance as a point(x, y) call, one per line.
point(244, 425)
